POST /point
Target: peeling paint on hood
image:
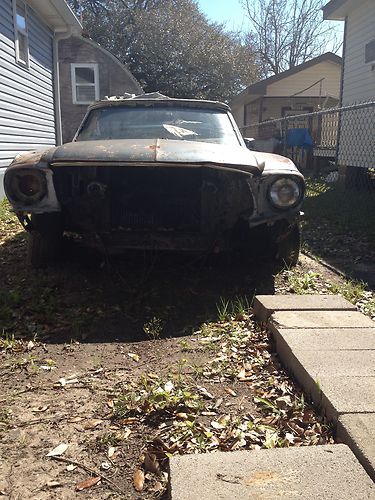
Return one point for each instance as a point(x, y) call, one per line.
point(156, 151)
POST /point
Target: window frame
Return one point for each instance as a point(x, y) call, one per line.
point(95, 67)
point(23, 32)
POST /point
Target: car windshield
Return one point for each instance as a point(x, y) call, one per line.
point(159, 122)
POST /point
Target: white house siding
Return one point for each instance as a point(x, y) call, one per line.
point(330, 71)
point(359, 78)
point(26, 94)
point(357, 131)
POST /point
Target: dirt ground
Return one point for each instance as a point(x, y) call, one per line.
point(122, 363)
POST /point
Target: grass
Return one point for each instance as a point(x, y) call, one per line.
point(235, 309)
point(310, 282)
point(302, 284)
point(346, 209)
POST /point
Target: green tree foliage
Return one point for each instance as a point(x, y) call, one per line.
point(170, 46)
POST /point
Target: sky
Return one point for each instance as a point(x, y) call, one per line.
point(228, 11)
point(232, 13)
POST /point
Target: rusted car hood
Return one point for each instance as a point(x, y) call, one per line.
point(155, 151)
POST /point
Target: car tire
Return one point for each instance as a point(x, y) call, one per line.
point(288, 249)
point(45, 240)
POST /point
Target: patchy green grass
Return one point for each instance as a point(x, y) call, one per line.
point(235, 309)
point(345, 209)
point(294, 281)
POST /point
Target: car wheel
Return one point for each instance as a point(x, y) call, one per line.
point(288, 249)
point(44, 240)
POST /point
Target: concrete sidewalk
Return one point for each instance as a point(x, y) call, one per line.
point(308, 473)
point(329, 347)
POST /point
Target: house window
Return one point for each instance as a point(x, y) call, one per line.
point(85, 83)
point(20, 32)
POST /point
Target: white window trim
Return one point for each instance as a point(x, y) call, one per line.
point(23, 32)
point(93, 66)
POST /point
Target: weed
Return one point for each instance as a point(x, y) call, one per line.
point(110, 439)
point(28, 362)
point(223, 310)
point(153, 328)
point(5, 416)
point(9, 343)
point(306, 283)
point(350, 290)
point(235, 309)
point(156, 398)
point(241, 307)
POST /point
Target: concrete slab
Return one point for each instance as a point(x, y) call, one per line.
point(327, 339)
point(321, 319)
point(316, 472)
point(265, 305)
point(337, 363)
point(336, 391)
point(358, 431)
point(347, 395)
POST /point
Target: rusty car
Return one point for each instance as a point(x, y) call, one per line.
point(158, 173)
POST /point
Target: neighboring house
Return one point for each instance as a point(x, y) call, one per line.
point(88, 72)
point(308, 87)
point(29, 103)
point(356, 146)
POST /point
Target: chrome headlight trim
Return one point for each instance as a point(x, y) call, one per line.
point(285, 193)
point(15, 184)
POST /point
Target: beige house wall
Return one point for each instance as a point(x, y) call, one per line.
point(329, 72)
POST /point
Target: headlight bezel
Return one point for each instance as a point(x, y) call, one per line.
point(12, 184)
point(286, 179)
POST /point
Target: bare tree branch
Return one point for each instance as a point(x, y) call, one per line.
point(287, 33)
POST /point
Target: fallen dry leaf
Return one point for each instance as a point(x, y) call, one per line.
point(47, 368)
point(151, 464)
point(39, 409)
point(168, 386)
point(87, 483)
point(138, 479)
point(158, 487)
point(53, 484)
point(133, 356)
point(111, 451)
point(59, 450)
point(71, 467)
point(230, 391)
point(182, 416)
point(128, 420)
point(92, 424)
point(75, 420)
point(30, 345)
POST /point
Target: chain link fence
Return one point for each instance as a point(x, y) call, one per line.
point(335, 150)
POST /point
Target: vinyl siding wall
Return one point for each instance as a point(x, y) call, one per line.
point(359, 78)
point(26, 94)
point(357, 148)
point(330, 71)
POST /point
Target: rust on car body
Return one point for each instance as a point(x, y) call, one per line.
point(157, 173)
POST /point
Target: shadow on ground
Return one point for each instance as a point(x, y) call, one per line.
point(129, 298)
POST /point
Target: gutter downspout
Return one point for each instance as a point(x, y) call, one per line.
point(56, 81)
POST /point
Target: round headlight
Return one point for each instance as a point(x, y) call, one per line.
point(29, 185)
point(26, 186)
point(285, 193)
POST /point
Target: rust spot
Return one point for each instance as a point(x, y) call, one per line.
point(154, 147)
point(261, 477)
